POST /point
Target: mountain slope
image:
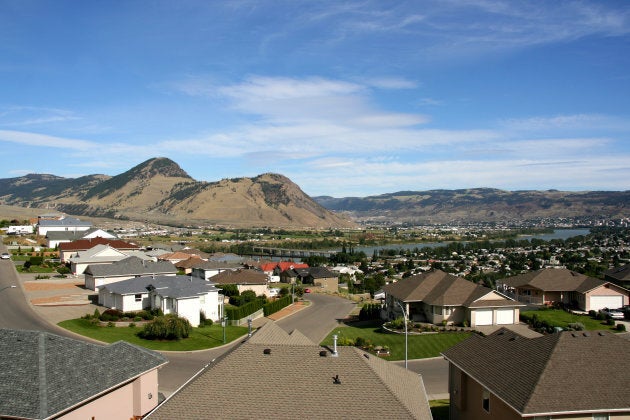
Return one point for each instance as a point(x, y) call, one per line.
point(481, 205)
point(159, 190)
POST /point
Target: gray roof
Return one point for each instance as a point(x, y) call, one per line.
point(66, 221)
point(274, 378)
point(131, 266)
point(43, 374)
point(168, 286)
point(555, 279)
point(70, 235)
point(619, 273)
point(568, 371)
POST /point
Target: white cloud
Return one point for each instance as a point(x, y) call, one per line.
point(34, 139)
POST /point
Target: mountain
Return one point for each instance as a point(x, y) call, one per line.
point(158, 190)
point(480, 205)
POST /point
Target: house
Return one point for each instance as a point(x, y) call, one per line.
point(438, 297)
point(175, 257)
point(567, 375)
point(320, 277)
point(211, 268)
point(45, 376)
point(187, 265)
point(98, 275)
point(99, 254)
point(66, 250)
point(346, 383)
point(54, 238)
point(273, 269)
point(619, 276)
point(559, 285)
point(19, 230)
point(244, 280)
point(185, 296)
point(61, 224)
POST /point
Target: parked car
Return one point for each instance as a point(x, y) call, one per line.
point(613, 313)
point(5, 256)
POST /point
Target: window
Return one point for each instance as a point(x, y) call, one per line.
point(138, 298)
point(601, 417)
point(448, 310)
point(485, 399)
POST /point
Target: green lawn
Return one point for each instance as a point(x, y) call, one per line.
point(199, 339)
point(560, 318)
point(420, 346)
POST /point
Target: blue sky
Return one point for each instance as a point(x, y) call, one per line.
point(346, 98)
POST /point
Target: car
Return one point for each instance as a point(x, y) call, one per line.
point(5, 256)
point(613, 313)
point(307, 290)
point(273, 292)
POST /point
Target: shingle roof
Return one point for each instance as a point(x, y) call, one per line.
point(442, 289)
point(65, 221)
point(84, 244)
point(43, 374)
point(240, 277)
point(131, 266)
point(281, 380)
point(568, 371)
point(169, 286)
point(550, 279)
point(321, 272)
point(619, 273)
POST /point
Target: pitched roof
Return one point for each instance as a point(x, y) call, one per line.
point(64, 221)
point(442, 289)
point(369, 386)
point(321, 272)
point(555, 280)
point(169, 286)
point(83, 244)
point(192, 262)
point(131, 266)
point(44, 374)
point(69, 235)
point(240, 277)
point(619, 273)
point(564, 372)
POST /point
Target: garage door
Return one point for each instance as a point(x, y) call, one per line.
point(483, 317)
point(599, 302)
point(505, 316)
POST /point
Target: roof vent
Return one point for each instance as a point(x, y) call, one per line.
point(601, 333)
point(513, 338)
point(586, 334)
point(267, 351)
point(367, 356)
point(574, 334)
point(336, 380)
point(323, 353)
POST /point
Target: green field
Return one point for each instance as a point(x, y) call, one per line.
point(419, 346)
point(199, 339)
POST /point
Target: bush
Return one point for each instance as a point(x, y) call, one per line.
point(111, 315)
point(370, 311)
point(63, 270)
point(132, 325)
point(621, 327)
point(576, 326)
point(610, 321)
point(36, 260)
point(276, 305)
point(168, 327)
point(592, 313)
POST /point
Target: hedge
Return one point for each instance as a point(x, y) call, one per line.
point(242, 311)
point(276, 305)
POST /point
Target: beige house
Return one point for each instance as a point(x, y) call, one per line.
point(69, 249)
point(244, 280)
point(100, 275)
point(551, 286)
point(277, 375)
point(437, 297)
point(567, 375)
point(49, 376)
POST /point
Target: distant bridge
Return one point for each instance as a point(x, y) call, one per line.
point(291, 253)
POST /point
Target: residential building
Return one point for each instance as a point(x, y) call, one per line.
point(98, 275)
point(551, 286)
point(619, 275)
point(185, 296)
point(276, 375)
point(54, 238)
point(244, 280)
point(97, 255)
point(211, 268)
point(66, 250)
point(437, 297)
point(61, 224)
point(45, 376)
point(567, 375)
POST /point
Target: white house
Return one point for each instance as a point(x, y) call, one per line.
point(20, 230)
point(99, 254)
point(185, 296)
point(99, 275)
point(54, 238)
point(63, 224)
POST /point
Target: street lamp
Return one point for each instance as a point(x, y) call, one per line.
point(13, 286)
point(406, 336)
point(249, 327)
point(225, 320)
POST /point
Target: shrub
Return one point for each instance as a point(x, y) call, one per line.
point(96, 314)
point(610, 321)
point(621, 327)
point(168, 327)
point(111, 315)
point(110, 324)
point(137, 318)
point(132, 325)
point(370, 311)
point(63, 270)
point(576, 326)
point(592, 313)
point(344, 341)
point(397, 323)
point(36, 260)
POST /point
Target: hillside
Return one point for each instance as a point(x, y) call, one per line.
point(158, 190)
point(481, 205)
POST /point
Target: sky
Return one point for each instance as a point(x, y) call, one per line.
point(345, 98)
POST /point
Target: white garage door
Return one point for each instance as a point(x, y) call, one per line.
point(599, 302)
point(505, 316)
point(483, 317)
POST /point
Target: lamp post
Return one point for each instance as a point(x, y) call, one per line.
point(225, 320)
point(249, 327)
point(406, 336)
point(13, 286)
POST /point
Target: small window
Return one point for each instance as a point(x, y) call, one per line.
point(485, 400)
point(601, 417)
point(138, 298)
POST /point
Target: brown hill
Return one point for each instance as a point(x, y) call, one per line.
point(158, 190)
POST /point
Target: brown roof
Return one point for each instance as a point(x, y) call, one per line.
point(563, 372)
point(439, 288)
point(85, 244)
point(555, 280)
point(239, 277)
point(192, 262)
point(272, 378)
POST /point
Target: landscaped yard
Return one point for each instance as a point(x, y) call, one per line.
point(560, 318)
point(420, 346)
point(199, 339)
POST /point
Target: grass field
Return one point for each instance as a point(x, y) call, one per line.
point(560, 318)
point(420, 346)
point(199, 339)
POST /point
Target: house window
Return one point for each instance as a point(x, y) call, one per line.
point(448, 310)
point(138, 298)
point(601, 417)
point(485, 400)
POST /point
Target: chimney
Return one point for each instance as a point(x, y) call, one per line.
point(335, 354)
